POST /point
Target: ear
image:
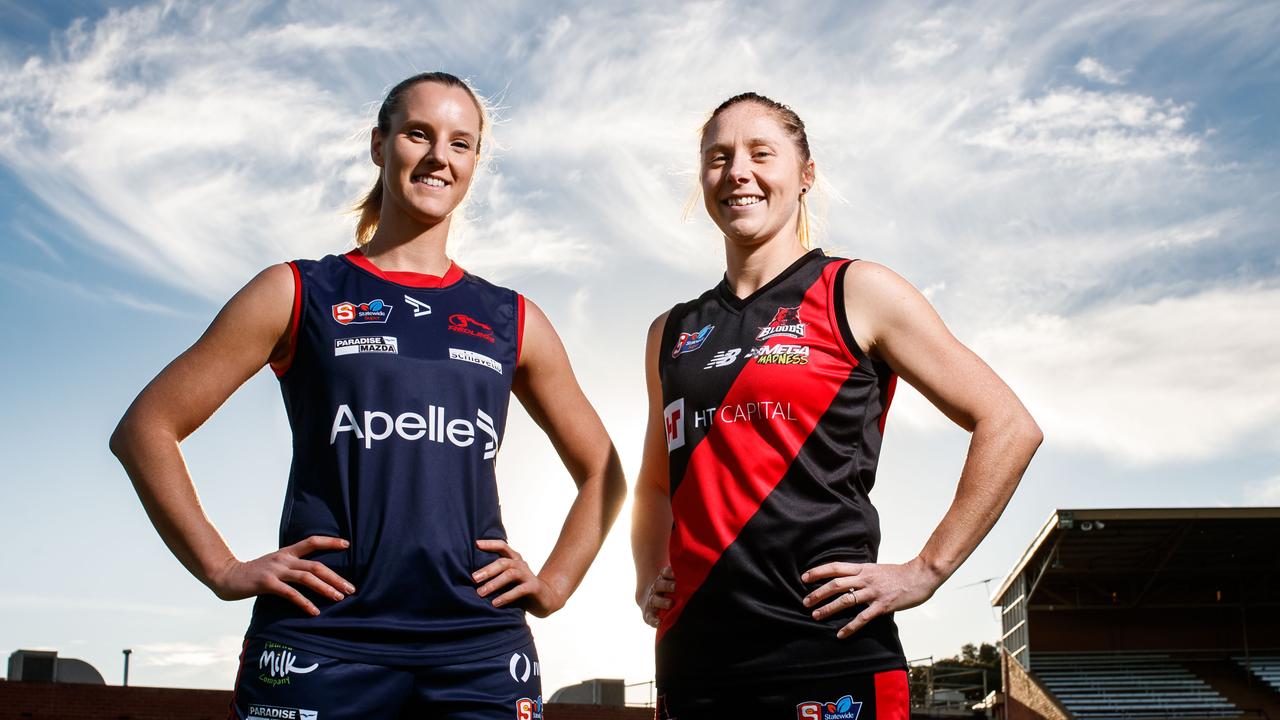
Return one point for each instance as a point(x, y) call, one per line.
point(375, 146)
point(808, 173)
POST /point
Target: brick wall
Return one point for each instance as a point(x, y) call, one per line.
point(40, 701)
point(1024, 698)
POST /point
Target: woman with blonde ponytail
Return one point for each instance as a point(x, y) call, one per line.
point(394, 592)
point(754, 536)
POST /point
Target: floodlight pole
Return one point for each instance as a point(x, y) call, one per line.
point(127, 653)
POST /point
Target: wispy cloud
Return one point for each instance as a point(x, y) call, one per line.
point(1093, 69)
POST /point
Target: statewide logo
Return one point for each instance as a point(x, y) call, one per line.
point(374, 311)
point(419, 308)
point(529, 708)
point(781, 354)
point(435, 426)
point(475, 357)
point(785, 322)
point(279, 663)
point(843, 709)
point(688, 342)
point(673, 418)
point(371, 344)
point(724, 358)
point(271, 712)
point(468, 325)
point(521, 667)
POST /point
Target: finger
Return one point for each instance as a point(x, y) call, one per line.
point(856, 624)
point(832, 569)
point(667, 573)
point(301, 577)
point(515, 593)
point(651, 620)
point(316, 543)
point(658, 601)
point(504, 579)
point(325, 573)
point(278, 587)
point(844, 601)
point(493, 568)
point(664, 586)
point(839, 585)
point(498, 546)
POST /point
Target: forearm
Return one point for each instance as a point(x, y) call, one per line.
point(999, 452)
point(650, 534)
point(154, 463)
point(599, 499)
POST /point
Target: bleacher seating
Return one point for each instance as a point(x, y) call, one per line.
point(1263, 667)
point(1103, 685)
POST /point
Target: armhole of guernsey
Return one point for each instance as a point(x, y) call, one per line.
point(295, 319)
point(669, 328)
point(519, 327)
point(848, 342)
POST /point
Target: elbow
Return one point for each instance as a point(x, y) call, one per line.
point(1029, 433)
point(118, 443)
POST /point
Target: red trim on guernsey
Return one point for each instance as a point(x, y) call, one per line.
point(834, 317)
point(283, 366)
point(735, 467)
point(412, 279)
point(888, 400)
point(231, 711)
point(893, 702)
point(519, 325)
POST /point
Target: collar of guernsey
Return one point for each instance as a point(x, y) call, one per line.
point(397, 399)
point(773, 418)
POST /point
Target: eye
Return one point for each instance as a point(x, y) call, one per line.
point(461, 145)
point(717, 160)
point(417, 134)
point(758, 154)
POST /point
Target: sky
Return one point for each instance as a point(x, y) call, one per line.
point(1086, 191)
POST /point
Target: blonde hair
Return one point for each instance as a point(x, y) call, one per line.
point(793, 126)
point(370, 206)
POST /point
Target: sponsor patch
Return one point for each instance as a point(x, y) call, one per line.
point(468, 325)
point(529, 708)
point(375, 425)
point(724, 358)
point(374, 311)
point(271, 712)
point(370, 344)
point(673, 418)
point(521, 667)
point(475, 357)
point(786, 321)
point(846, 708)
point(781, 354)
point(279, 663)
point(688, 342)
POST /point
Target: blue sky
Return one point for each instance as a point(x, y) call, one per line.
point(1086, 191)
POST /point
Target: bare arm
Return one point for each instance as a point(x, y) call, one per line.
point(546, 387)
point(249, 332)
point(898, 325)
point(651, 513)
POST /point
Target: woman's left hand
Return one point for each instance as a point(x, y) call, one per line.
point(540, 598)
point(882, 588)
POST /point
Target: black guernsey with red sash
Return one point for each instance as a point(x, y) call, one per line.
point(774, 418)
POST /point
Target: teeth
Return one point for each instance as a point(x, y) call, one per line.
point(740, 201)
point(433, 182)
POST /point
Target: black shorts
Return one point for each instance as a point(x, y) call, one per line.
point(281, 682)
point(871, 696)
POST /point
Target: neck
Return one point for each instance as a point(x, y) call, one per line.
point(400, 245)
point(749, 268)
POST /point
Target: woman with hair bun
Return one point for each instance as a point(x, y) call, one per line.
point(754, 536)
point(394, 592)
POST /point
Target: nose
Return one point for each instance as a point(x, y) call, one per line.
point(740, 169)
point(436, 154)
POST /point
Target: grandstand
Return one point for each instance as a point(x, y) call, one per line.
point(1145, 613)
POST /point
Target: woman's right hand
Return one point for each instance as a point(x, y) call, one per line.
point(272, 574)
point(655, 600)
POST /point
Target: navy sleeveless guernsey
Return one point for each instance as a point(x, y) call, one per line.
point(397, 397)
point(774, 418)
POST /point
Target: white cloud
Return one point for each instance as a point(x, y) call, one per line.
point(1093, 69)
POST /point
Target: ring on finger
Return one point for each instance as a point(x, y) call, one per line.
point(853, 596)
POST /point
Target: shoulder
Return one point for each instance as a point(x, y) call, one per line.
point(868, 283)
point(275, 284)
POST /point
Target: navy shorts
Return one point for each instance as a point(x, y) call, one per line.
point(871, 696)
point(282, 682)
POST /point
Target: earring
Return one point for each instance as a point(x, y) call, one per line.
point(804, 190)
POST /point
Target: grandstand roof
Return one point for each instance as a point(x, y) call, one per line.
point(1096, 558)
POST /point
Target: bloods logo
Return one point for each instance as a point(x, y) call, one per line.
point(785, 322)
point(374, 311)
point(529, 708)
point(843, 709)
point(688, 342)
point(468, 325)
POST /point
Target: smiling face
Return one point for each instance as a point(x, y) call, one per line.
point(752, 174)
point(428, 152)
